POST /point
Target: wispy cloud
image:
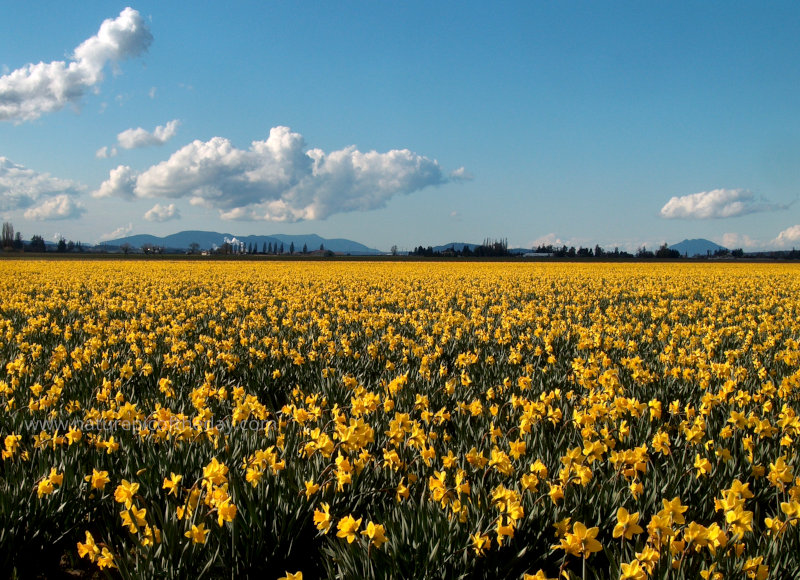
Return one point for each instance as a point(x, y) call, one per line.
point(29, 92)
point(278, 179)
point(717, 203)
point(461, 174)
point(120, 232)
point(21, 188)
point(135, 138)
point(106, 152)
point(162, 213)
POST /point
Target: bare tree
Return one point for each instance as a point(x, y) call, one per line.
point(8, 235)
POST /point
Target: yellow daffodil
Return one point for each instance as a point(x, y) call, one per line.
point(348, 528)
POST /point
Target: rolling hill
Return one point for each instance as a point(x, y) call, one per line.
point(696, 247)
point(209, 240)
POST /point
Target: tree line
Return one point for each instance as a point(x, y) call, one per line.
point(11, 241)
point(488, 249)
point(267, 249)
point(499, 248)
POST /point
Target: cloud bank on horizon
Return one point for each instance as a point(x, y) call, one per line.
point(277, 179)
point(35, 89)
point(789, 236)
point(120, 232)
point(717, 204)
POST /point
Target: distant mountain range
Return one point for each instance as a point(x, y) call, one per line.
point(697, 247)
point(210, 240)
point(205, 240)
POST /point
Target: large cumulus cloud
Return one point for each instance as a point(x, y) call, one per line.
point(35, 89)
point(717, 203)
point(162, 213)
point(60, 207)
point(278, 179)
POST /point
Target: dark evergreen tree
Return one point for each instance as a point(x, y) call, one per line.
point(644, 253)
point(37, 244)
point(665, 252)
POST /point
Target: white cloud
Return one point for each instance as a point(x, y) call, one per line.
point(162, 213)
point(106, 152)
point(152, 93)
point(461, 174)
point(120, 232)
point(21, 188)
point(277, 179)
point(133, 138)
point(120, 183)
point(718, 203)
point(550, 239)
point(35, 89)
point(788, 237)
point(732, 241)
point(60, 207)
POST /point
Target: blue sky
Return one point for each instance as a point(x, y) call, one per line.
point(407, 123)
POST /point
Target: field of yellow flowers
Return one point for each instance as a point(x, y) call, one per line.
point(399, 420)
